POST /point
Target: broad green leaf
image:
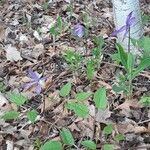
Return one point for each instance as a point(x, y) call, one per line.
point(67, 137)
point(65, 90)
point(119, 137)
point(130, 63)
point(10, 115)
point(32, 115)
point(17, 98)
point(145, 63)
point(52, 145)
point(117, 88)
point(89, 144)
point(100, 98)
point(83, 96)
point(108, 147)
point(123, 56)
point(80, 110)
point(90, 69)
point(108, 129)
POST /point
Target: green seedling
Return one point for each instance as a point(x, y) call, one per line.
point(73, 59)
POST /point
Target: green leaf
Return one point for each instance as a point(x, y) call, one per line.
point(145, 63)
point(17, 98)
point(123, 55)
point(32, 115)
point(52, 145)
point(89, 144)
point(108, 147)
point(67, 137)
point(65, 90)
point(117, 88)
point(145, 100)
point(130, 63)
point(100, 98)
point(83, 96)
point(59, 23)
point(2, 87)
point(116, 57)
point(108, 129)
point(80, 110)
point(99, 41)
point(119, 137)
point(10, 115)
point(90, 69)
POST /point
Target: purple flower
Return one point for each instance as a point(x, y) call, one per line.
point(79, 30)
point(129, 22)
point(37, 80)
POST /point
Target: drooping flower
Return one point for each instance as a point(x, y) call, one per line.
point(130, 20)
point(79, 30)
point(36, 80)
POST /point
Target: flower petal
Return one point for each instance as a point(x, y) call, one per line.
point(78, 30)
point(28, 85)
point(32, 75)
point(118, 31)
point(129, 17)
point(38, 89)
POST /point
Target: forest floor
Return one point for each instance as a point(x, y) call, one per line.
point(50, 111)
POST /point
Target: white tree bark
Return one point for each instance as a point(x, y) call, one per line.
point(121, 9)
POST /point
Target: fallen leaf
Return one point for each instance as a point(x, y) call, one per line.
point(12, 54)
point(103, 115)
point(4, 104)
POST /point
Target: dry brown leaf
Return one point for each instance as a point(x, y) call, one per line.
point(129, 103)
point(103, 115)
point(4, 105)
point(12, 54)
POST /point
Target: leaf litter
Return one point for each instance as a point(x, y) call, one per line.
point(26, 42)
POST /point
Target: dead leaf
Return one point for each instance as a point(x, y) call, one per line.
point(38, 50)
point(128, 104)
point(4, 104)
point(103, 115)
point(12, 54)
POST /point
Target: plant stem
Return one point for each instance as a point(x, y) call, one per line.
point(129, 41)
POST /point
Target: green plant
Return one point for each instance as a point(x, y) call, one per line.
point(32, 115)
point(73, 59)
point(128, 61)
point(17, 98)
point(145, 101)
point(10, 115)
point(65, 90)
point(108, 147)
point(89, 144)
point(2, 87)
point(100, 98)
point(67, 137)
point(94, 62)
point(52, 145)
point(119, 137)
point(108, 129)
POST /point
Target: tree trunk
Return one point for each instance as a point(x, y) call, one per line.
point(121, 9)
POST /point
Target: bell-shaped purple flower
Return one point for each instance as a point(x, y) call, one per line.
point(130, 20)
point(37, 81)
point(79, 30)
